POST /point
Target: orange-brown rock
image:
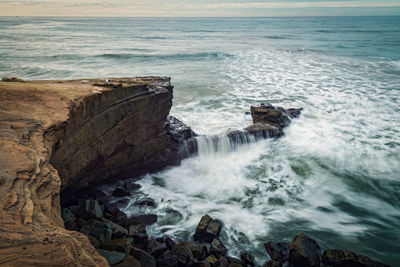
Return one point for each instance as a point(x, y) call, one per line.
point(55, 134)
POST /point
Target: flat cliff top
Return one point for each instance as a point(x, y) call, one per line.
point(34, 116)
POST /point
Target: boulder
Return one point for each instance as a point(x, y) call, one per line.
point(129, 262)
point(138, 231)
point(169, 242)
point(247, 259)
point(113, 257)
point(277, 251)
point(304, 251)
point(223, 262)
point(94, 241)
point(117, 230)
point(131, 187)
point(207, 229)
point(120, 192)
point(167, 259)
point(212, 260)
point(143, 257)
point(146, 202)
point(69, 219)
point(147, 219)
point(183, 249)
point(11, 79)
point(272, 263)
point(235, 261)
point(343, 258)
point(121, 244)
point(101, 230)
point(217, 248)
point(199, 251)
point(156, 248)
point(264, 130)
point(90, 209)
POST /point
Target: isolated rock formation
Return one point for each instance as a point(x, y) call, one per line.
point(56, 134)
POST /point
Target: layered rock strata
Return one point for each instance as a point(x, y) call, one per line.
point(57, 134)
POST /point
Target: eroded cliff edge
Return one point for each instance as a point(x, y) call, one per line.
point(56, 134)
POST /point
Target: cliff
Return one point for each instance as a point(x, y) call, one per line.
point(58, 134)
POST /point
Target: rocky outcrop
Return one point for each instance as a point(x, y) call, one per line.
point(58, 134)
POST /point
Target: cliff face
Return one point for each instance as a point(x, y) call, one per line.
point(55, 134)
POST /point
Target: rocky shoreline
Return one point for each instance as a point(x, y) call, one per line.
point(59, 139)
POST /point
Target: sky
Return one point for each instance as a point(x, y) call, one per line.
point(198, 8)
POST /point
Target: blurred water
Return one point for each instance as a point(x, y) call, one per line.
point(335, 174)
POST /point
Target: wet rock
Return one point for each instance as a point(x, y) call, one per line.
point(196, 263)
point(264, 130)
point(235, 261)
point(69, 219)
point(172, 217)
point(116, 206)
point(129, 262)
point(138, 231)
point(143, 257)
point(131, 187)
point(90, 209)
point(118, 231)
point(304, 251)
point(11, 79)
point(119, 217)
point(212, 260)
point(147, 219)
point(217, 248)
point(146, 202)
point(207, 229)
point(277, 251)
point(120, 192)
point(272, 263)
point(182, 141)
point(247, 258)
point(113, 257)
point(167, 259)
point(199, 251)
point(169, 242)
point(101, 230)
point(182, 249)
point(156, 248)
point(80, 222)
point(94, 241)
point(223, 262)
point(343, 258)
point(121, 244)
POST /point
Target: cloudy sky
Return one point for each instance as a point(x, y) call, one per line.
point(189, 8)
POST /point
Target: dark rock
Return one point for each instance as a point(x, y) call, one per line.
point(129, 262)
point(138, 231)
point(182, 249)
point(217, 248)
point(199, 251)
point(146, 202)
point(277, 251)
point(223, 262)
point(212, 260)
point(90, 209)
point(121, 244)
point(94, 241)
point(99, 195)
point(207, 229)
point(343, 258)
point(113, 257)
point(143, 257)
point(11, 79)
point(182, 142)
point(118, 231)
point(169, 242)
point(131, 187)
point(172, 217)
point(156, 248)
point(119, 217)
point(247, 258)
point(80, 222)
point(69, 219)
point(264, 130)
point(167, 259)
point(272, 263)
point(116, 206)
point(101, 230)
point(247, 113)
point(120, 192)
point(147, 219)
point(236, 261)
point(304, 251)
point(197, 263)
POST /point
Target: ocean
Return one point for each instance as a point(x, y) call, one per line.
point(335, 175)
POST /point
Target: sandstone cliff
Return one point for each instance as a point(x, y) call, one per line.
point(55, 134)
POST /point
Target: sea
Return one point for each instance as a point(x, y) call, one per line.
point(334, 175)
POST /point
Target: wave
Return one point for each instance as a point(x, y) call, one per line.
point(278, 37)
point(178, 56)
